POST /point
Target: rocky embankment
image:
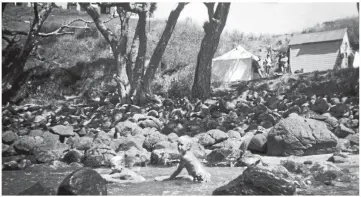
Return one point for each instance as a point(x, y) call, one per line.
point(230, 129)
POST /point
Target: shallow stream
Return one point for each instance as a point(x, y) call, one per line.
point(15, 181)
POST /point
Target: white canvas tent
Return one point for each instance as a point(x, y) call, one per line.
point(233, 66)
point(356, 60)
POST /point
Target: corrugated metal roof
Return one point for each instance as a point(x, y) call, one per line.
point(318, 37)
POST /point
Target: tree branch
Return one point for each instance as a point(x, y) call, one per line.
point(210, 8)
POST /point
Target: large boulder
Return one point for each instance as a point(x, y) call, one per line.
point(223, 157)
point(26, 144)
point(151, 122)
point(132, 141)
point(73, 155)
point(234, 134)
point(320, 106)
point(84, 181)
point(258, 181)
point(127, 128)
point(228, 144)
point(354, 138)
point(63, 130)
point(98, 156)
point(342, 131)
point(217, 135)
point(83, 143)
point(247, 159)
point(258, 143)
point(339, 110)
point(138, 157)
point(296, 135)
point(102, 138)
point(152, 139)
point(9, 137)
point(205, 139)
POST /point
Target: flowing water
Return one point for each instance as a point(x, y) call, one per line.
point(14, 182)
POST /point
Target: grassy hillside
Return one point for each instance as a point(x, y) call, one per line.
point(89, 53)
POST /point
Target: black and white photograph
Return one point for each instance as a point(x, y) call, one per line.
point(176, 98)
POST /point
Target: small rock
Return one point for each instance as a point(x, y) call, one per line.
point(9, 137)
point(63, 130)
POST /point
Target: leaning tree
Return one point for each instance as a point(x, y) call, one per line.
point(213, 29)
point(15, 53)
point(133, 79)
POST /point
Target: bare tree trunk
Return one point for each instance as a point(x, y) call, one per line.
point(213, 29)
point(142, 49)
point(118, 46)
point(158, 53)
point(14, 68)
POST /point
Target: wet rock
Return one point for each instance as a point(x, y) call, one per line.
point(258, 143)
point(205, 139)
point(37, 189)
point(56, 164)
point(73, 155)
point(9, 137)
point(98, 156)
point(24, 163)
point(46, 156)
point(320, 106)
point(84, 181)
point(63, 130)
point(257, 181)
point(299, 136)
point(10, 165)
point(127, 128)
point(248, 159)
point(217, 135)
point(224, 156)
point(342, 131)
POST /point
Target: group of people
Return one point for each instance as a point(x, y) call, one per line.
point(264, 65)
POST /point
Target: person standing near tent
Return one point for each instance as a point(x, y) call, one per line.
point(268, 62)
point(284, 63)
point(260, 67)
